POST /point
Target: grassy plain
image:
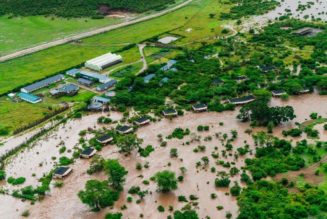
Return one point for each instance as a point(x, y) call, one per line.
point(19, 114)
point(22, 32)
point(39, 65)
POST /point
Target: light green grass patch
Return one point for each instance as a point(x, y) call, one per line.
point(22, 32)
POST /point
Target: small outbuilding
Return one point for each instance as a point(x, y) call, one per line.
point(167, 40)
point(142, 121)
point(105, 139)
point(307, 31)
point(61, 172)
point(305, 91)
point(88, 153)
point(67, 89)
point(169, 112)
point(106, 86)
point(278, 93)
point(85, 82)
point(168, 65)
point(125, 129)
point(242, 100)
point(30, 98)
point(200, 107)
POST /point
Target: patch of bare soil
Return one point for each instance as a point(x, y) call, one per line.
point(308, 173)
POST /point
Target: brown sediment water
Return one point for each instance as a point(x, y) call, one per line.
point(64, 203)
point(317, 10)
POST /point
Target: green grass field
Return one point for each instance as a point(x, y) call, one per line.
point(18, 114)
point(22, 32)
point(39, 65)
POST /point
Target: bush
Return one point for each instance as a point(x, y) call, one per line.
point(64, 161)
point(161, 208)
point(114, 216)
point(2, 175)
point(16, 181)
point(222, 182)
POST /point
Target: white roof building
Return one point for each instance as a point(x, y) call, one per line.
point(104, 61)
point(167, 40)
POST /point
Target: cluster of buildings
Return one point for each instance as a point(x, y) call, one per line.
point(85, 78)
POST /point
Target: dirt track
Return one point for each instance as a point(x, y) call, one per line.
point(89, 33)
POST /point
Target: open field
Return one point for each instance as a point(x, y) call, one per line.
point(22, 32)
point(14, 115)
point(24, 70)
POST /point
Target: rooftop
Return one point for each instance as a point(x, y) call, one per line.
point(244, 99)
point(94, 75)
point(104, 59)
point(148, 78)
point(61, 170)
point(169, 111)
point(168, 65)
point(29, 97)
point(199, 106)
point(107, 85)
point(100, 99)
point(142, 119)
point(85, 81)
point(104, 137)
point(88, 151)
point(167, 39)
point(123, 128)
point(67, 88)
point(42, 83)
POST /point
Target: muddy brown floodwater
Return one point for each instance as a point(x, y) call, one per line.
point(63, 202)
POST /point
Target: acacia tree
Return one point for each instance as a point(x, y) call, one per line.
point(127, 143)
point(98, 194)
point(260, 113)
point(116, 174)
point(166, 181)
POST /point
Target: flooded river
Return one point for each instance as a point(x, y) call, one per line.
point(317, 10)
point(63, 202)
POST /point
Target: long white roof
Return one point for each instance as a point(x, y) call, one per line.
point(104, 59)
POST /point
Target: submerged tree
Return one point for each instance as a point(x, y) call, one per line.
point(127, 143)
point(116, 173)
point(166, 181)
point(98, 194)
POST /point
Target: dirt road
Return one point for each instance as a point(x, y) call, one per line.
point(89, 33)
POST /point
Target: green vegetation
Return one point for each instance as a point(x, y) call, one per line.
point(116, 173)
point(266, 199)
point(80, 8)
point(245, 8)
point(187, 214)
point(2, 175)
point(114, 216)
point(166, 181)
point(98, 194)
point(101, 194)
point(258, 112)
point(39, 29)
point(16, 181)
point(275, 157)
point(179, 133)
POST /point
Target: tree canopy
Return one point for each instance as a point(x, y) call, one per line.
point(77, 8)
point(166, 181)
point(98, 194)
